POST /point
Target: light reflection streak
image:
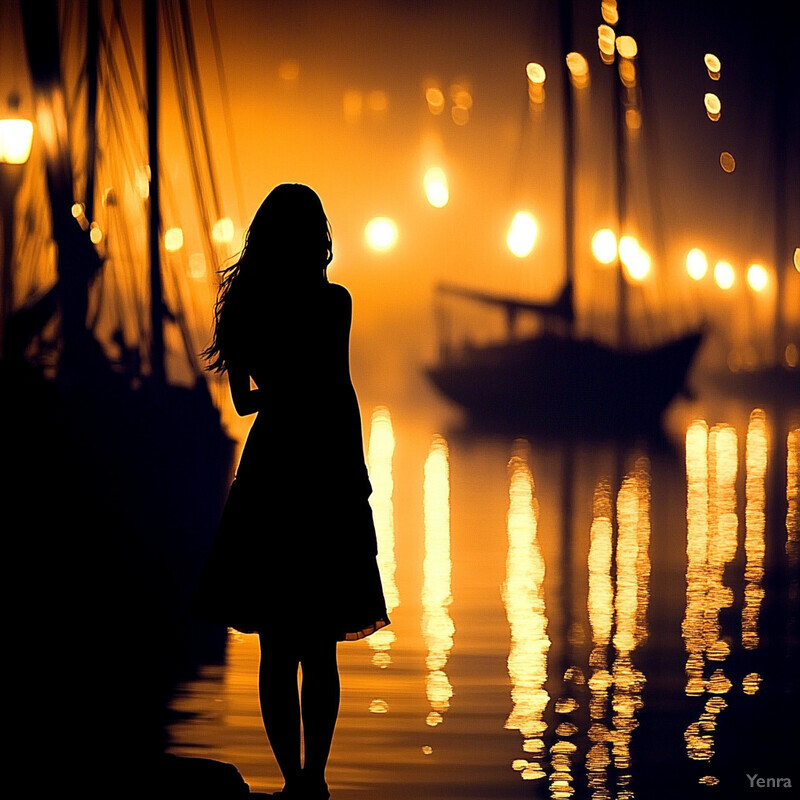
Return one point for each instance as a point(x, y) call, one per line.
point(523, 597)
point(379, 458)
point(632, 589)
point(618, 614)
point(437, 625)
point(711, 469)
point(600, 603)
point(792, 547)
point(755, 490)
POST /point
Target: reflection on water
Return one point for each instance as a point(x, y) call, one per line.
point(523, 597)
point(437, 625)
point(379, 459)
point(474, 535)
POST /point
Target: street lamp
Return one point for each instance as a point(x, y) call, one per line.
point(16, 136)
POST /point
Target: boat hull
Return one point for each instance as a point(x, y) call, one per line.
point(554, 381)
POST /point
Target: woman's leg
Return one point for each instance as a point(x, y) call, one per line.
point(320, 708)
point(280, 706)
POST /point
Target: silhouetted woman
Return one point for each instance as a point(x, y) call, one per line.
point(295, 555)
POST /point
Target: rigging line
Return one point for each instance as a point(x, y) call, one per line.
point(127, 48)
point(226, 110)
point(174, 50)
point(194, 73)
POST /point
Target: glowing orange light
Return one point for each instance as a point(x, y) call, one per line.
point(797, 258)
point(604, 246)
point(712, 65)
point(77, 210)
point(352, 104)
point(696, 264)
point(173, 239)
point(197, 266)
point(627, 47)
point(222, 231)
point(434, 97)
point(713, 106)
point(95, 234)
point(606, 38)
point(608, 8)
point(522, 234)
point(578, 68)
point(724, 275)
point(727, 161)
point(536, 78)
point(16, 137)
point(757, 277)
point(381, 234)
point(436, 188)
point(378, 100)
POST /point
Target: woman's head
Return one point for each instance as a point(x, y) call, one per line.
point(290, 231)
point(287, 246)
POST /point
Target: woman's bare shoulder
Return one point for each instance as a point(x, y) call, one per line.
point(340, 294)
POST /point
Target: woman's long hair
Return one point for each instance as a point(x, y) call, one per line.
point(288, 246)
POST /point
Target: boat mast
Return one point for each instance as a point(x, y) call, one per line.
point(620, 148)
point(569, 150)
point(154, 222)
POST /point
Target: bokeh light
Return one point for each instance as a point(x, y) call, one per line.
point(696, 264)
point(757, 277)
point(381, 234)
point(604, 246)
point(724, 275)
point(436, 187)
point(522, 234)
point(222, 232)
point(173, 239)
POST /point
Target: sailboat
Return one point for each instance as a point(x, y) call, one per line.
point(119, 473)
point(557, 379)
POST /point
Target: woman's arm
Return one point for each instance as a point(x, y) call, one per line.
point(246, 400)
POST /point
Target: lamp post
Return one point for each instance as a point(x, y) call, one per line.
point(16, 136)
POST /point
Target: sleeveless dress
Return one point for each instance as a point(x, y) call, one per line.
point(296, 549)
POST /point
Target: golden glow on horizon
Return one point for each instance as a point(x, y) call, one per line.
point(173, 239)
point(16, 138)
point(523, 598)
point(436, 188)
point(724, 275)
point(696, 264)
point(522, 233)
point(381, 234)
point(757, 277)
point(437, 625)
